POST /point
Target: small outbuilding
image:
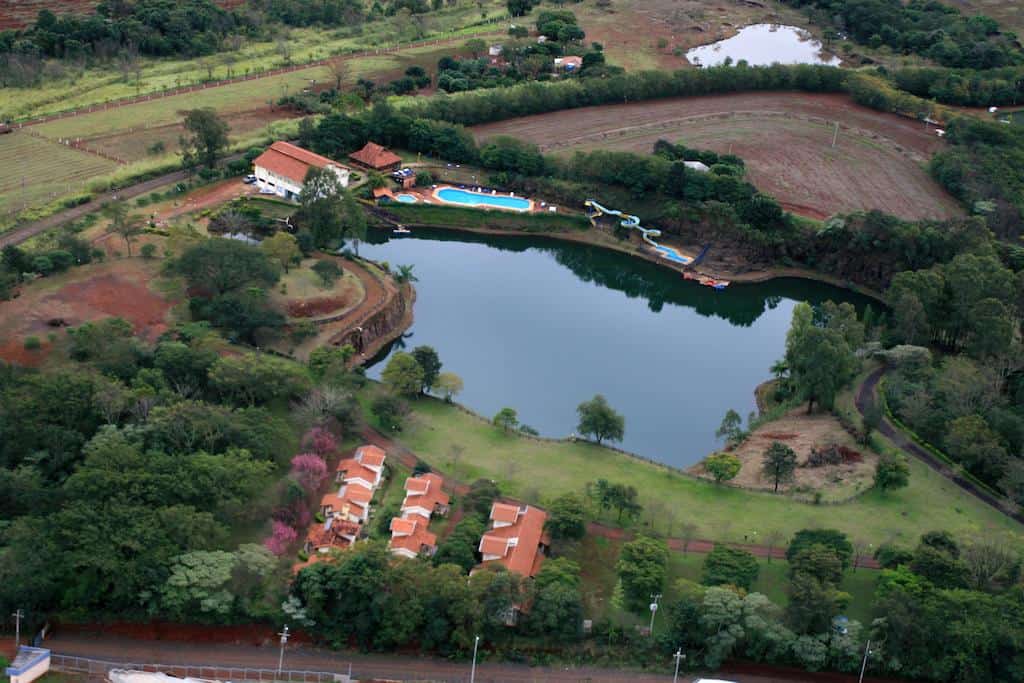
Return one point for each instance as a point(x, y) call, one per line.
point(569, 63)
point(697, 166)
point(376, 158)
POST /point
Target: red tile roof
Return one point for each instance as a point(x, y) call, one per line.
point(371, 456)
point(424, 492)
point(375, 156)
point(351, 469)
point(292, 162)
point(414, 535)
point(525, 557)
point(503, 512)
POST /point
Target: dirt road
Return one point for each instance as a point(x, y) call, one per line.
point(866, 398)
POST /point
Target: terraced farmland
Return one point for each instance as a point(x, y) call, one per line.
point(38, 170)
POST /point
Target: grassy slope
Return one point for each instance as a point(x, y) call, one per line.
point(539, 470)
point(457, 217)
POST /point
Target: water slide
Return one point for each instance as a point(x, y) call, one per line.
point(631, 222)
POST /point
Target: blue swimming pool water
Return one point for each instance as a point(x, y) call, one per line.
point(456, 196)
point(406, 198)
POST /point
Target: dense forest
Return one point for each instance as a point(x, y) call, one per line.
point(922, 27)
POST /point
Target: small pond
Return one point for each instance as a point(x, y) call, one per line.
point(539, 326)
point(764, 44)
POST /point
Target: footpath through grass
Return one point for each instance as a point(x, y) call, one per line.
point(539, 470)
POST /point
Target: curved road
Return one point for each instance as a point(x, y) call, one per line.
point(866, 398)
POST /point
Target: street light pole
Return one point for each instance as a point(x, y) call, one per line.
point(654, 610)
point(678, 656)
point(280, 657)
point(472, 671)
point(18, 616)
point(864, 663)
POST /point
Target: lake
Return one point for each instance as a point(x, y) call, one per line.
point(764, 44)
point(540, 326)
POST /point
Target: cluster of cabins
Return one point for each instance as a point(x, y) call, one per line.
point(515, 540)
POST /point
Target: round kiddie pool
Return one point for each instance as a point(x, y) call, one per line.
point(406, 198)
point(454, 195)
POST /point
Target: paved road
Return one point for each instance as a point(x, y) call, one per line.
point(19, 235)
point(866, 398)
point(390, 666)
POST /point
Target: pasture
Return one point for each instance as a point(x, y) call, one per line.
point(39, 170)
point(785, 138)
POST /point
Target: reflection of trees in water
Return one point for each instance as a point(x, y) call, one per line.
point(741, 305)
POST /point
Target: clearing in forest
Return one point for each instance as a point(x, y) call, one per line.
point(785, 139)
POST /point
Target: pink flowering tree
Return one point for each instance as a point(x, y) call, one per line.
point(280, 538)
point(320, 441)
point(310, 470)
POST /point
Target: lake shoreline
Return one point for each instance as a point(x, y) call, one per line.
point(734, 277)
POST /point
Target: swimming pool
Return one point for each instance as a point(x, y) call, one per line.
point(495, 201)
point(406, 198)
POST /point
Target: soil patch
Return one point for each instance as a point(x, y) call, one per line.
point(804, 434)
point(785, 138)
point(119, 288)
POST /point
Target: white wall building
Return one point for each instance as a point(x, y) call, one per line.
point(282, 169)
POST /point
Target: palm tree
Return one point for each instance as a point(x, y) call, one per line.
point(404, 274)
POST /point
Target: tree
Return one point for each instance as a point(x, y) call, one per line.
point(831, 538)
point(891, 472)
point(450, 385)
point(970, 441)
point(598, 419)
point(354, 219)
point(122, 223)
point(389, 411)
point(722, 466)
point(207, 138)
point(567, 519)
point(322, 213)
point(731, 428)
point(991, 566)
point(257, 378)
point(819, 561)
point(430, 363)
point(729, 566)
point(403, 374)
point(820, 360)
point(475, 46)
point(641, 569)
point(339, 72)
point(219, 265)
point(507, 419)
point(779, 463)
point(619, 496)
point(282, 248)
point(328, 271)
point(813, 604)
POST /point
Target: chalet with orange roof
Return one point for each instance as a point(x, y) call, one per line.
point(377, 158)
point(410, 538)
point(334, 533)
point(282, 169)
point(424, 497)
point(364, 469)
point(351, 502)
point(516, 540)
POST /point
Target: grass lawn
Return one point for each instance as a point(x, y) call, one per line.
point(388, 496)
point(539, 470)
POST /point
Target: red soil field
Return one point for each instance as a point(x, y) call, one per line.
point(785, 138)
point(115, 288)
point(20, 13)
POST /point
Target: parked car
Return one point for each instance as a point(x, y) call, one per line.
point(249, 179)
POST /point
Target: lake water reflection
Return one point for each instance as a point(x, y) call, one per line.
point(764, 44)
point(540, 326)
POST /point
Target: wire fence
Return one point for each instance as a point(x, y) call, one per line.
point(100, 669)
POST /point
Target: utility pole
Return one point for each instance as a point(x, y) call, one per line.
point(280, 657)
point(472, 671)
point(655, 597)
point(18, 616)
point(864, 663)
point(678, 656)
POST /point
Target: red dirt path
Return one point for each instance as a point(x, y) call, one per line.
point(785, 138)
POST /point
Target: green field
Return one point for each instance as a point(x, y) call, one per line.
point(39, 170)
point(538, 470)
point(77, 89)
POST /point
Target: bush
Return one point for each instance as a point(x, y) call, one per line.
point(32, 344)
point(730, 566)
point(148, 251)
